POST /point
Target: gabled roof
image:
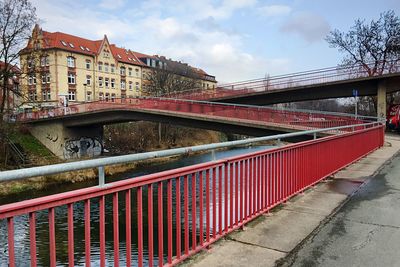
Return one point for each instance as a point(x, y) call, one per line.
point(125, 56)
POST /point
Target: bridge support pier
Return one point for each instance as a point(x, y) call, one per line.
point(381, 100)
point(69, 143)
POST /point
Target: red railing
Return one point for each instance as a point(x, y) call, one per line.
point(289, 118)
point(201, 203)
point(313, 77)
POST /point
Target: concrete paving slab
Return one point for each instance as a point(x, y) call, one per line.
point(229, 253)
point(316, 202)
point(282, 230)
point(351, 175)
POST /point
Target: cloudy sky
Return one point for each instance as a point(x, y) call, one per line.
point(232, 39)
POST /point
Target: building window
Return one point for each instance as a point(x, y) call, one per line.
point(30, 63)
point(130, 71)
point(44, 61)
point(137, 87)
point(71, 78)
point(71, 95)
point(71, 62)
point(31, 79)
point(137, 72)
point(112, 83)
point(88, 80)
point(100, 81)
point(122, 85)
point(32, 96)
point(112, 97)
point(101, 96)
point(112, 68)
point(88, 96)
point(130, 85)
point(106, 82)
point(123, 71)
point(106, 67)
point(107, 97)
point(100, 66)
point(46, 95)
point(45, 78)
point(88, 64)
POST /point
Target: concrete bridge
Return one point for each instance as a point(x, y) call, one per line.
point(335, 82)
point(77, 131)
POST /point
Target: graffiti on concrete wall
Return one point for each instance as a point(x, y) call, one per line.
point(52, 138)
point(82, 147)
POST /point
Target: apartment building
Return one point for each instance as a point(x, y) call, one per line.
point(58, 66)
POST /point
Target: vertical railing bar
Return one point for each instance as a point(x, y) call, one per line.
point(193, 211)
point(11, 245)
point(178, 217)
point(87, 231)
point(52, 238)
point(116, 229)
point(150, 223)
point(128, 229)
point(32, 239)
point(186, 212)
point(231, 193)
point(219, 168)
point(214, 192)
point(102, 232)
point(139, 194)
point(207, 190)
point(226, 193)
point(160, 225)
point(169, 218)
point(236, 192)
point(201, 192)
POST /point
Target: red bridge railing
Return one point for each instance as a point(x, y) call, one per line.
point(201, 204)
point(290, 118)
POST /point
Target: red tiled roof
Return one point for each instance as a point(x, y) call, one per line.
point(124, 55)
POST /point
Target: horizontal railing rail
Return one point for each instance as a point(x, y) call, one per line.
point(171, 214)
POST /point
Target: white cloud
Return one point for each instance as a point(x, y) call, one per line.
point(274, 10)
point(178, 36)
point(112, 4)
point(309, 26)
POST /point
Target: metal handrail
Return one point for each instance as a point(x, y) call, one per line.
point(101, 162)
point(16, 151)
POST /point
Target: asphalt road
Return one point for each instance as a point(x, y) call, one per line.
point(364, 232)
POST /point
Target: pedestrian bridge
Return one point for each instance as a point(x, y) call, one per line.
point(166, 217)
point(58, 128)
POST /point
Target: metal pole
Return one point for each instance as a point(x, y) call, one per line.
point(102, 178)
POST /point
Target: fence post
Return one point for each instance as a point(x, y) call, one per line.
point(101, 176)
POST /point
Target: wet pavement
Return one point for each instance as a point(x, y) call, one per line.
point(364, 232)
point(342, 221)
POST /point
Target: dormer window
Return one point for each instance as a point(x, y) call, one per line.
point(71, 45)
point(118, 55)
point(82, 48)
point(64, 43)
point(87, 49)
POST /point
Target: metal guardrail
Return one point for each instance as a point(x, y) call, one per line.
point(195, 205)
point(102, 162)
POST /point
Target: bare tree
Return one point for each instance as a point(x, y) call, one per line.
point(167, 81)
point(17, 18)
point(371, 48)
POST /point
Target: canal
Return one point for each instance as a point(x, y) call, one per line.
point(42, 234)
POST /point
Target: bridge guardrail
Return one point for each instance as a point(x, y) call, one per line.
point(209, 200)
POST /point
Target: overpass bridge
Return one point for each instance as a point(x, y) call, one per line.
point(76, 131)
point(334, 82)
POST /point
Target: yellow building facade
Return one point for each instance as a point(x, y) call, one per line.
point(57, 67)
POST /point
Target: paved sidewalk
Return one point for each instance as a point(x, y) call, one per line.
point(275, 238)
